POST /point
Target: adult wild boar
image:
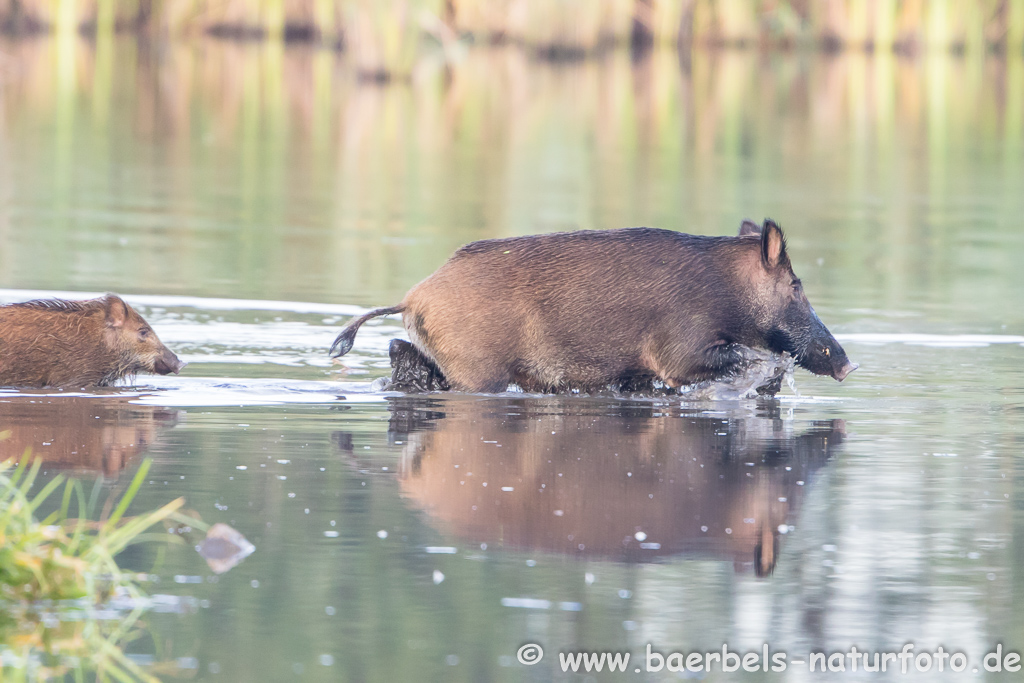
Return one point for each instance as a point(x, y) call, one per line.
point(58, 343)
point(582, 310)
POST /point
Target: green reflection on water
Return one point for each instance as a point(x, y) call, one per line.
point(259, 171)
point(918, 504)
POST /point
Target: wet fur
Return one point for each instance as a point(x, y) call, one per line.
point(411, 371)
point(588, 309)
point(58, 343)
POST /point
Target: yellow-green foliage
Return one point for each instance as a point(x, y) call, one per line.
point(386, 35)
point(59, 558)
point(81, 649)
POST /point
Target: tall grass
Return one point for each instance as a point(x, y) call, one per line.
point(62, 564)
point(61, 557)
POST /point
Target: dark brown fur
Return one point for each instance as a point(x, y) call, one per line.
point(411, 372)
point(591, 308)
point(57, 343)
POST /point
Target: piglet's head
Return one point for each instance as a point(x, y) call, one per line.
point(135, 342)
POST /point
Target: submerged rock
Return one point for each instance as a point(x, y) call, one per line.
point(224, 547)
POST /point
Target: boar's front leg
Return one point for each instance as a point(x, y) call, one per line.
point(721, 358)
point(681, 365)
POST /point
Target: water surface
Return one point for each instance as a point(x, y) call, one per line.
point(249, 200)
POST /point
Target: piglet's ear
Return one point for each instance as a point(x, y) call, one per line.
point(773, 245)
point(749, 228)
point(116, 311)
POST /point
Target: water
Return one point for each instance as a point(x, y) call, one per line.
point(248, 200)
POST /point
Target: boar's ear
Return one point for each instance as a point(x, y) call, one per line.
point(749, 227)
point(773, 245)
point(116, 311)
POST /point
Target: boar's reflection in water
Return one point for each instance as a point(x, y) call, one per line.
point(608, 479)
point(87, 434)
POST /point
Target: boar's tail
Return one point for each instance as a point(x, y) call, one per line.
point(343, 343)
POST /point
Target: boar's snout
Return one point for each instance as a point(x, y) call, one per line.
point(842, 372)
point(168, 363)
point(824, 356)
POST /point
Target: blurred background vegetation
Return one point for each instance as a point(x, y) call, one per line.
point(265, 169)
point(387, 37)
point(338, 152)
point(191, 147)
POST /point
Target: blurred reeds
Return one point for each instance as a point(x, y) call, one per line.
point(386, 37)
point(283, 173)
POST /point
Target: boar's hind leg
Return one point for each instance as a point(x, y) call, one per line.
point(479, 377)
point(489, 384)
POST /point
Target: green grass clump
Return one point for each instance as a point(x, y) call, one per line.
point(59, 557)
point(64, 566)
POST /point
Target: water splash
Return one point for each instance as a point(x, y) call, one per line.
point(760, 373)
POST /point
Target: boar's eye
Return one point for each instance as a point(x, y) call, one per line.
point(796, 283)
point(143, 333)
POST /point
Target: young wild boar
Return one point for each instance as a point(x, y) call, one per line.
point(57, 343)
point(582, 310)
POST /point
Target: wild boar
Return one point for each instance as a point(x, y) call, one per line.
point(58, 343)
point(588, 309)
